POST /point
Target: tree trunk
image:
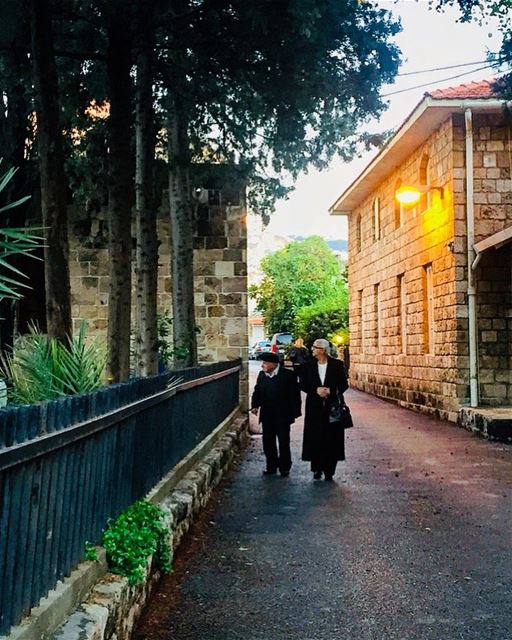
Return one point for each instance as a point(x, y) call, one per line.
point(146, 337)
point(51, 165)
point(182, 236)
point(120, 191)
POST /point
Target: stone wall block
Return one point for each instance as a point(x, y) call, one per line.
point(224, 268)
point(235, 284)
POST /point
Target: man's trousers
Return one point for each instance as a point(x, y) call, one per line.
point(277, 433)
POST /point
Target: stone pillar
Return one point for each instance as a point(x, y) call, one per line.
point(220, 268)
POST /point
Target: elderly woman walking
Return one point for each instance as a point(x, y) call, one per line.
point(322, 379)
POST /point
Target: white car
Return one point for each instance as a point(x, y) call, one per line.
point(262, 346)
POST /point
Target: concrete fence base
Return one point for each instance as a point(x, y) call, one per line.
point(93, 604)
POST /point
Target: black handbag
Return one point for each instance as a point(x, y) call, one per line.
point(339, 413)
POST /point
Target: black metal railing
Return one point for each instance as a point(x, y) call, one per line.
point(68, 465)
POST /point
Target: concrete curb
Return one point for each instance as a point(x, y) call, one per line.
point(92, 604)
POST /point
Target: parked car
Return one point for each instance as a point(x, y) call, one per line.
point(258, 348)
point(280, 342)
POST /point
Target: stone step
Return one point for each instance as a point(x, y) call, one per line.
point(494, 423)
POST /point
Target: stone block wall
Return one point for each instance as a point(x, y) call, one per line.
point(390, 351)
point(492, 159)
point(220, 268)
point(494, 322)
point(388, 278)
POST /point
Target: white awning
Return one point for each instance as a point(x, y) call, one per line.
point(495, 241)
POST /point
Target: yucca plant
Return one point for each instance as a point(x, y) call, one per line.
point(15, 241)
point(40, 368)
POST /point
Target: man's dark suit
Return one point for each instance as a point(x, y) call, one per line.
point(278, 399)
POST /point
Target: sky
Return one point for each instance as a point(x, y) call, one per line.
point(428, 40)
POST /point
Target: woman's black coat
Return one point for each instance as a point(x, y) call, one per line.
point(321, 437)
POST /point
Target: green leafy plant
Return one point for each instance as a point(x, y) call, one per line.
point(40, 368)
point(164, 328)
point(90, 552)
point(166, 353)
point(135, 535)
point(14, 241)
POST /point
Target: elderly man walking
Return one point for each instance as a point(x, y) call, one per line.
point(276, 396)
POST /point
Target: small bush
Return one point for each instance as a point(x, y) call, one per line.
point(324, 319)
point(133, 537)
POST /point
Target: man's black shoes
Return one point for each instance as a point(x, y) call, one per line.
point(317, 475)
point(285, 474)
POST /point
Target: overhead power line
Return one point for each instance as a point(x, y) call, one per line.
point(428, 84)
point(451, 66)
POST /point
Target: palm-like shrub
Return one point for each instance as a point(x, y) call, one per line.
point(40, 368)
point(14, 241)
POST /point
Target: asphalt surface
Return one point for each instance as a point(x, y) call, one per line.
point(413, 540)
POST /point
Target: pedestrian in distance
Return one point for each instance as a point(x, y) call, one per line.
point(323, 379)
point(276, 397)
point(298, 355)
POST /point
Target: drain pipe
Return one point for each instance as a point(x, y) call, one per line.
point(471, 291)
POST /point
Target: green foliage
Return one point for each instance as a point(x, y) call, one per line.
point(90, 552)
point(166, 353)
point(325, 318)
point(290, 86)
point(481, 12)
point(14, 241)
point(273, 87)
point(40, 368)
point(297, 276)
point(133, 537)
point(164, 328)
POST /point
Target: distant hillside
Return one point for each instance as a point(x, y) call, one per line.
point(335, 245)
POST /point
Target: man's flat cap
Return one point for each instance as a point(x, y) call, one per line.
point(270, 357)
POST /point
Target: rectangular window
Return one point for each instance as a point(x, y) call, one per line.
point(402, 313)
point(378, 327)
point(428, 315)
point(359, 233)
point(361, 321)
point(376, 219)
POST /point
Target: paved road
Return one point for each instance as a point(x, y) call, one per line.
point(412, 541)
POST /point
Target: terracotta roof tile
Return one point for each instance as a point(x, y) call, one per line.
point(481, 89)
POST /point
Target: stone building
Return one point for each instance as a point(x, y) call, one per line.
point(220, 267)
point(427, 331)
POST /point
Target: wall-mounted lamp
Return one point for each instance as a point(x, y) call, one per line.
point(409, 195)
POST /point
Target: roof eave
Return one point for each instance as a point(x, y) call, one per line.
point(350, 199)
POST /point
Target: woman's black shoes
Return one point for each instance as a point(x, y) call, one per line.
point(318, 476)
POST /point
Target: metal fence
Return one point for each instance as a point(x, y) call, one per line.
point(68, 465)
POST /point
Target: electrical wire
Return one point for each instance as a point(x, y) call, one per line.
point(428, 84)
point(451, 66)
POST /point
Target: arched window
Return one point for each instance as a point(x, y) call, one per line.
point(425, 201)
point(377, 232)
point(398, 207)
